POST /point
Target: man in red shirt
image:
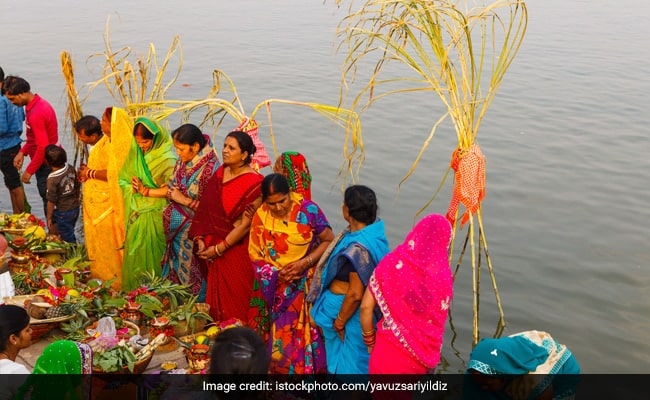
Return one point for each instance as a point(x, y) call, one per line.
point(42, 130)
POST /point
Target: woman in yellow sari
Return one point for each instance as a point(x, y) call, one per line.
point(288, 235)
point(103, 209)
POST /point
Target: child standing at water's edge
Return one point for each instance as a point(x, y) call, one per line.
point(62, 194)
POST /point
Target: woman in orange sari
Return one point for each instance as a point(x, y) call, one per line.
point(220, 229)
point(288, 236)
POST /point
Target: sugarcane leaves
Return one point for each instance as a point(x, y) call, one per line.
point(461, 55)
point(458, 50)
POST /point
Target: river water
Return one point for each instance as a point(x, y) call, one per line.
point(566, 142)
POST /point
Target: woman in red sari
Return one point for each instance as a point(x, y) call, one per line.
point(220, 229)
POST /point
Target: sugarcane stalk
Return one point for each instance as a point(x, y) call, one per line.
point(475, 316)
point(502, 322)
point(149, 348)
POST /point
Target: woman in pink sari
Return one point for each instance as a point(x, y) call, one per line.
point(412, 285)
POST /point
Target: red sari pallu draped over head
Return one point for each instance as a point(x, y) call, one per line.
point(230, 277)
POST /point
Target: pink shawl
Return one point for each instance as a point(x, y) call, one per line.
point(413, 287)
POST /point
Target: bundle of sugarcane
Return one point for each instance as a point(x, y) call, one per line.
point(140, 86)
point(74, 111)
point(450, 49)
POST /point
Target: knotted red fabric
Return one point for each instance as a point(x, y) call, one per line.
point(469, 182)
point(261, 157)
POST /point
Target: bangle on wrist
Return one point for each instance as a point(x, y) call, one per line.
point(216, 250)
point(194, 205)
point(146, 192)
point(226, 245)
point(369, 341)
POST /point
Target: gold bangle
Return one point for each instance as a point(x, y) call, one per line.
point(216, 250)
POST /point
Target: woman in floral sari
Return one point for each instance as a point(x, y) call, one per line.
point(196, 163)
point(288, 236)
point(220, 229)
point(143, 179)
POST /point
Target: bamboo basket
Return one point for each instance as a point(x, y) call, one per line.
point(40, 327)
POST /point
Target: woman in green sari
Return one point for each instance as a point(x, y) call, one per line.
point(69, 364)
point(143, 179)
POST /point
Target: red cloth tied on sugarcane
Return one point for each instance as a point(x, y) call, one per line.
point(261, 158)
point(469, 182)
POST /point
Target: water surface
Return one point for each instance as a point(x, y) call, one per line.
point(566, 142)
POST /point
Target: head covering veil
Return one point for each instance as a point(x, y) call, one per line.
point(413, 287)
point(293, 166)
point(67, 361)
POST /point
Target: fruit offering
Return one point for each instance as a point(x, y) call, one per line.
point(19, 221)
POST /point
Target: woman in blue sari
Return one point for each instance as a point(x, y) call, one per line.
point(526, 365)
point(341, 279)
point(196, 164)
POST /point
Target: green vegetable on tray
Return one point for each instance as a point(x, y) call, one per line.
point(115, 359)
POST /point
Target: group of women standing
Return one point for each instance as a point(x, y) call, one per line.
point(255, 248)
point(258, 249)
